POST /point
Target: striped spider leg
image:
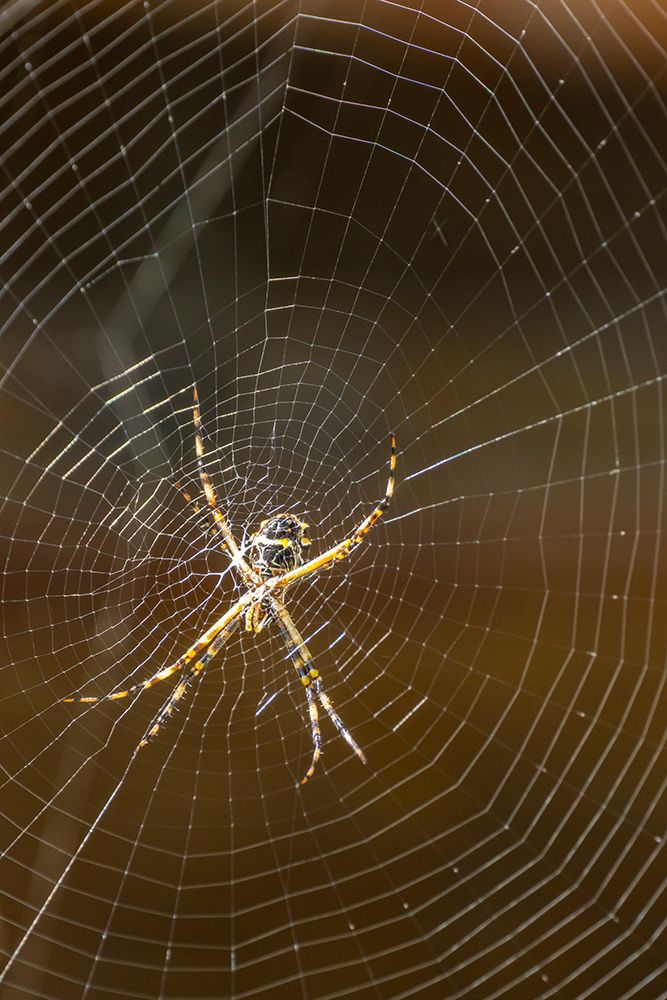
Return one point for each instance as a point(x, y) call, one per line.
point(254, 613)
point(193, 671)
point(248, 573)
point(342, 549)
point(211, 641)
point(309, 676)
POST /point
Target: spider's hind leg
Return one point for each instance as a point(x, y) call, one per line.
point(169, 706)
point(315, 733)
point(315, 692)
point(309, 676)
point(325, 702)
point(193, 671)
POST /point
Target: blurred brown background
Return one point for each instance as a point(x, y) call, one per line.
point(338, 218)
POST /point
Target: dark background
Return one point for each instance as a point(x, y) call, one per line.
point(339, 219)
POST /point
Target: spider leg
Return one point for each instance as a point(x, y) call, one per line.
point(188, 499)
point(204, 640)
point(315, 732)
point(193, 671)
point(310, 678)
point(325, 702)
point(208, 528)
point(229, 542)
point(161, 675)
point(342, 549)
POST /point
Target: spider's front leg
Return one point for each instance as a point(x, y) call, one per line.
point(250, 576)
point(341, 550)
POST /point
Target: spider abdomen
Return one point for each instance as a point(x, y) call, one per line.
point(278, 545)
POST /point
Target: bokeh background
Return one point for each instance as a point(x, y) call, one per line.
point(338, 219)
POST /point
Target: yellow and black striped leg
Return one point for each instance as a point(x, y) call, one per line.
point(161, 675)
point(342, 549)
point(207, 639)
point(325, 702)
point(315, 732)
point(169, 706)
point(229, 542)
point(310, 678)
point(193, 503)
point(193, 671)
point(188, 499)
point(362, 529)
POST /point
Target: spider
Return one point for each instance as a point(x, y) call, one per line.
point(276, 561)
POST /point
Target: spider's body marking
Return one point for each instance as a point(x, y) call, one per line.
point(278, 545)
point(277, 563)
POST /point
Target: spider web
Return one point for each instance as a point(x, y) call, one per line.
point(337, 219)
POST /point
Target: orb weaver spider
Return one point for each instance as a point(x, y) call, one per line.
point(276, 562)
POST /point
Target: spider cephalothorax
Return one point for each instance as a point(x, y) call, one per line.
point(278, 545)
